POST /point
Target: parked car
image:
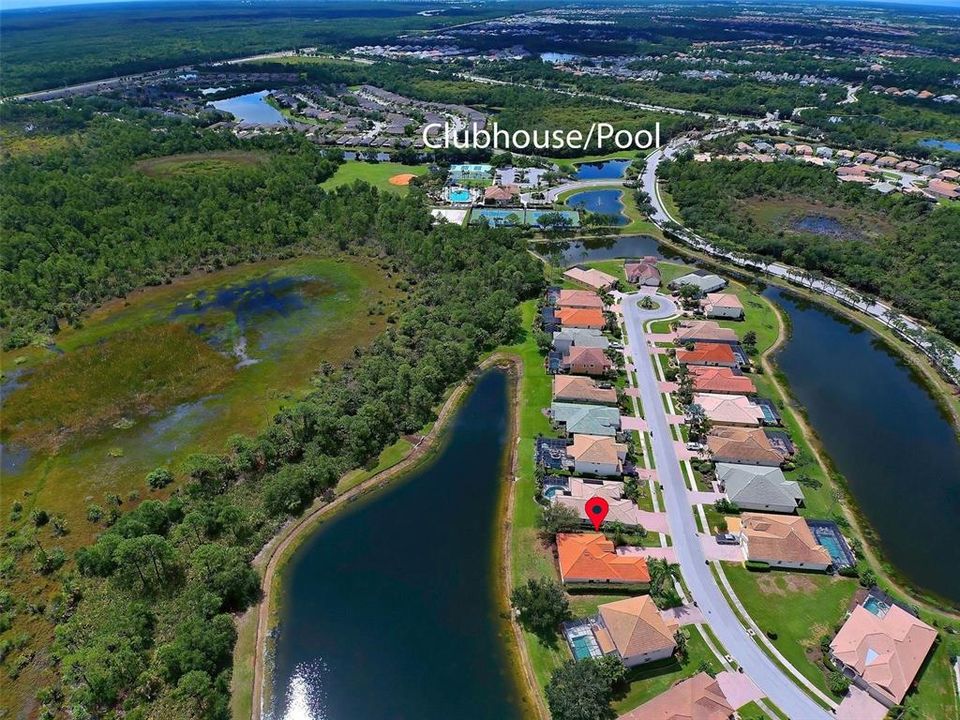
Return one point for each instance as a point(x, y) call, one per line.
point(695, 446)
point(727, 539)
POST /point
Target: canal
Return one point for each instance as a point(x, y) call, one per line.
point(886, 435)
point(391, 609)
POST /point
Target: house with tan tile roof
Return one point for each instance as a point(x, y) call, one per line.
point(597, 455)
point(722, 305)
point(943, 189)
point(587, 318)
point(720, 380)
point(644, 272)
point(882, 652)
point(596, 279)
point(781, 541)
point(736, 410)
point(586, 361)
point(637, 630)
point(579, 490)
point(592, 558)
point(708, 354)
point(748, 446)
point(705, 331)
point(579, 299)
point(579, 389)
point(697, 698)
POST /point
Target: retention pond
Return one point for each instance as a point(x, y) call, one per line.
point(391, 609)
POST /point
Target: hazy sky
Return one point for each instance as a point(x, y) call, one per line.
point(17, 4)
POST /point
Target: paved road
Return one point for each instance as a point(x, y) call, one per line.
point(905, 327)
point(696, 571)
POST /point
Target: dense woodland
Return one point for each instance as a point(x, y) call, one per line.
point(144, 615)
point(85, 222)
point(915, 265)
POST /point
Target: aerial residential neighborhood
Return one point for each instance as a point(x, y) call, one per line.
point(489, 360)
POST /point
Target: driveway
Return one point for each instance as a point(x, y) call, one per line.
point(859, 705)
point(771, 680)
point(712, 550)
point(683, 615)
point(738, 689)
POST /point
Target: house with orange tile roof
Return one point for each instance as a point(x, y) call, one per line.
point(697, 698)
point(708, 354)
point(736, 410)
point(637, 631)
point(592, 558)
point(579, 299)
point(882, 651)
point(589, 318)
point(866, 157)
point(597, 455)
point(781, 541)
point(747, 446)
point(720, 380)
point(704, 331)
point(596, 279)
point(949, 174)
point(579, 389)
point(722, 305)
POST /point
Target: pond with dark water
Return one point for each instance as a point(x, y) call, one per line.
point(886, 435)
point(605, 170)
point(390, 609)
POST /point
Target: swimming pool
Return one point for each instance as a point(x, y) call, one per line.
point(550, 491)
point(582, 646)
point(768, 414)
point(828, 535)
point(458, 195)
point(875, 605)
point(580, 637)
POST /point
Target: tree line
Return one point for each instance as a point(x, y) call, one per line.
point(912, 260)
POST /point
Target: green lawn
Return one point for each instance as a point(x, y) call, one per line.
point(611, 267)
point(530, 559)
point(752, 711)
point(670, 271)
point(648, 681)
point(799, 607)
point(388, 458)
point(377, 174)
point(936, 695)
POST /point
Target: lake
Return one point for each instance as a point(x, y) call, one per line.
point(951, 145)
point(606, 170)
point(885, 434)
point(252, 109)
point(391, 608)
point(601, 202)
point(565, 254)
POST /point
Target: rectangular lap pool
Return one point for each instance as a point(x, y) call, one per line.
point(828, 535)
point(579, 635)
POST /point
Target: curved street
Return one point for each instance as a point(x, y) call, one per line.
point(734, 637)
point(904, 326)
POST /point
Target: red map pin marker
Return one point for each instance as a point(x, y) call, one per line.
point(597, 509)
